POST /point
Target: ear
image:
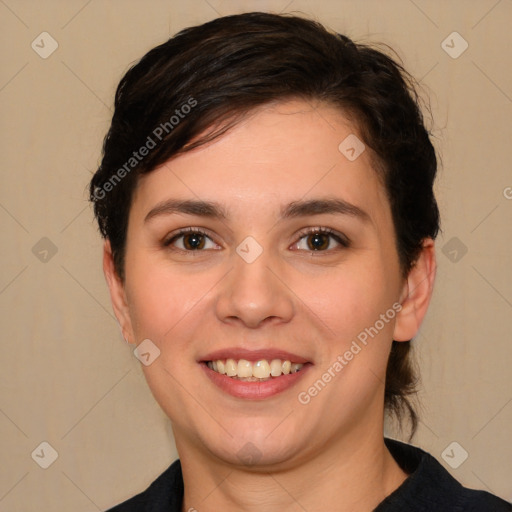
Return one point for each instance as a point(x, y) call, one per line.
point(416, 293)
point(117, 294)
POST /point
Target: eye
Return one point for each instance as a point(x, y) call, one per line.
point(190, 239)
point(320, 239)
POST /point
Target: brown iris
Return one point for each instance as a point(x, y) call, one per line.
point(193, 241)
point(318, 241)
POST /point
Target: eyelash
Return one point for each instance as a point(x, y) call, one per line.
point(185, 231)
point(341, 239)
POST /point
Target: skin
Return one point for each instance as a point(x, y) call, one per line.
point(328, 454)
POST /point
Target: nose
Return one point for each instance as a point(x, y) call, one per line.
point(256, 293)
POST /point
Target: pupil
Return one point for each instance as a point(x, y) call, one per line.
point(194, 241)
point(318, 241)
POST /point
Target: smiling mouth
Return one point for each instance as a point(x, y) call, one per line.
point(259, 371)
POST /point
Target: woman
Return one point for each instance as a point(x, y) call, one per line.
point(265, 195)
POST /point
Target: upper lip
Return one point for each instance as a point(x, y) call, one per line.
point(238, 353)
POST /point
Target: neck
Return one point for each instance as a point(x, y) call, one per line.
point(355, 473)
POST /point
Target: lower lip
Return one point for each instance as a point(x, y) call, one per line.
point(255, 390)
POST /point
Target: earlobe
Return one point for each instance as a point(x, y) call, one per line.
point(416, 294)
point(117, 294)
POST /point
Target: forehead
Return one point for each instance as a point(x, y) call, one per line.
point(278, 154)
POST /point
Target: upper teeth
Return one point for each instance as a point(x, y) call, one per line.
point(261, 369)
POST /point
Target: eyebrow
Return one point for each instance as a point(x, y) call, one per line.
point(301, 208)
point(322, 206)
point(209, 209)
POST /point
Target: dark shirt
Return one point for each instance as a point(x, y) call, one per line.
point(428, 488)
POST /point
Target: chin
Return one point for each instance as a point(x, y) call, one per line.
point(254, 448)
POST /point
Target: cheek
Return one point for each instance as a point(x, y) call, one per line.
point(349, 298)
point(169, 305)
point(159, 300)
point(166, 307)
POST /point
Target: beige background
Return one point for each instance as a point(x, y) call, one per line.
point(67, 377)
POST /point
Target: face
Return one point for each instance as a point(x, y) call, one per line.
point(268, 244)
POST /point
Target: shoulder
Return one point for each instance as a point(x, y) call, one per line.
point(165, 494)
point(431, 487)
point(482, 501)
